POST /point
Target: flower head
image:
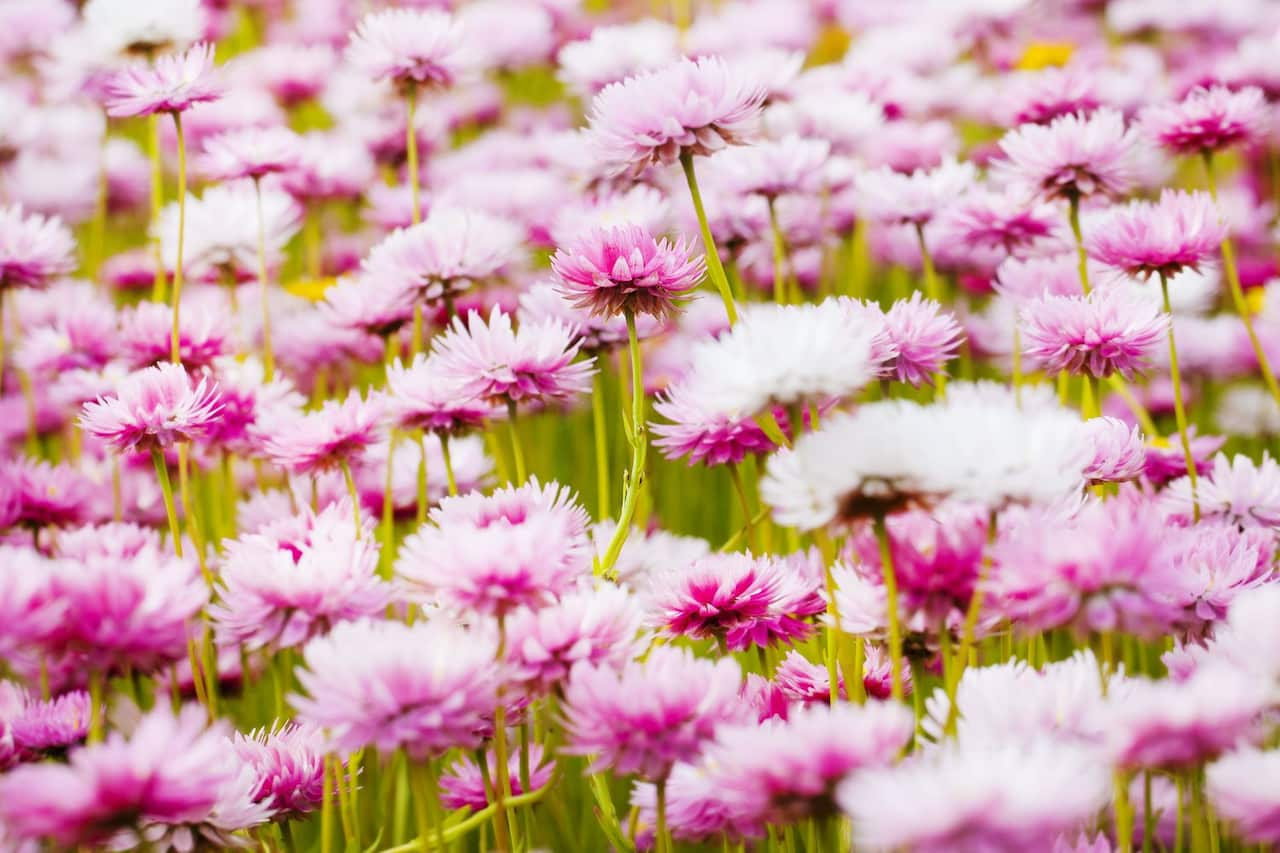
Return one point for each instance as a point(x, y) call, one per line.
point(1180, 231)
point(1112, 330)
point(251, 153)
point(421, 396)
point(892, 197)
point(923, 338)
point(153, 408)
point(411, 48)
point(1208, 120)
point(624, 269)
point(1243, 789)
point(687, 107)
point(33, 249)
point(288, 766)
point(51, 725)
point(1071, 157)
point(426, 688)
point(171, 84)
point(326, 438)
point(464, 785)
point(644, 717)
point(694, 428)
point(1237, 490)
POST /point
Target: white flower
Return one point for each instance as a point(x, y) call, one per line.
point(1237, 489)
point(1247, 411)
point(222, 229)
point(613, 53)
point(128, 25)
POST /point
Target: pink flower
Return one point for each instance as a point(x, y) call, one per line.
point(593, 626)
point(375, 306)
point(1218, 562)
point(426, 688)
point(172, 84)
point(1242, 787)
point(1109, 331)
point(624, 270)
point(51, 725)
point(250, 153)
point(1119, 451)
point(1237, 490)
point(146, 332)
point(495, 362)
point(1208, 120)
point(648, 715)
point(463, 785)
point(153, 408)
point(521, 546)
point(288, 765)
point(805, 682)
point(421, 396)
point(326, 438)
point(786, 771)
point(1166, 461)
point(278, 597)
point(411, 48)
point(885, 195)
point(698, 807)
point(923, 338)
point(1041, 96)
point(687, 107)
point(247, 399)
point(703, 434)
point(1180, 231)
point(738, 599)
point(772, 168)
point(1071, 157)
point(33, 249)
point(170, 770)
point(1005, 221)
point(48, 494)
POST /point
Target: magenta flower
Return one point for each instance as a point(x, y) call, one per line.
point(520, 547)
point(411, 48)
point(694, 107)
point(426, 688)
point(625, 270)
point(51, 725)
point(1111, 330)
point(288, 764)
point(279, 595)
point(47, 494)
point(171, 84)
point(250, 153)
point(1041, 96)
point(496, 362)
point(885, 195)
point(595, 626)
point(463, 785)
point(1166, 461)
point(146, 336)
point(153, 408)
point(326, 438)
point(1072, 157)
point(697, 430)
point(171, 769)
point(34, 249)
point(738, 599)
point(787, 771)
point(421, 396)
point(1180, 231)
point(1244, 790)
point(1005, 221)
point(646, 716)
point(923, 338)
point(1208, 120)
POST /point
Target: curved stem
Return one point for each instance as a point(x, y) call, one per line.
point(715, 269)
point(1082, 257)
point(166, 489)
point(354, 494)
point(157, 202)
point(182, 230)
point(891, 595)
point(1179, 407)
point(268, 359)
point(639, 448)
point(448, 464)
point(1237, 292)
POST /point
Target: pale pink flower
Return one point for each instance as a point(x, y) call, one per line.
point(412, 48)
point(1208, 120)
point(1112, 330)
point(422, 396)
point(33, 249)
point(172, 84)
point(885, 195)
point(1072, 157)
point(325, 438)
point(154, 408)
point(250, 153)
point(1180, 231)
point(1244, 788)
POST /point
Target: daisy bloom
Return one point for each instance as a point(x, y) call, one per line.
point(411, 48)
point(33, 249)
point(888, 196)
point(1071, 157)
point(288, 766)
point(171, 84)
point(464, 784)
point(1208, 120)
point(1244, 788)
point(1112, 330)
point(923, 339)
point(153, 408)
point(694, 428)
point(326, 438)
point(1007, 221)
point(613, 53)
point(48, 726)
point(422, 396)
point(1180, 231)
point(690, 106)
point(644, 717)
point(1236, 489)
point(250, 153)
point(426, 688)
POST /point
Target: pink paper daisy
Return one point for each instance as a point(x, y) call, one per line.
point(923, 339)
point(1005, 221)
point(146, 336)
point(250, 153)
point(288, 765)
point(1208, 120)
point(1072, 157)
point(411, 48)
point(422, 396)
point(153, 408)
point(49, 726)
point(1244, 789)
point(625, 270)
point(1111, 330)
point(694, 107)
point(645, 717)
point(463, 785)
point(326, 438)
point(33, 249)
point(172, 84)
point(1180, 231)
point(885, 195)
point(698, 431)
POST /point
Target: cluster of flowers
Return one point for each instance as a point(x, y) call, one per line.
point(952, 323)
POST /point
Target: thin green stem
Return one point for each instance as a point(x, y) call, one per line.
point(1082, 257)
point(600, 429)
point(513, 432)
point(157, 202)
point(779, 257)
point(715, 269)
point(448, 464)
point(662, 841)
point(502, 785)
point(182, 233)
point(931, 285)
point(97, 711)
point(423, 498)
point(1179, 407)
point(411, 150)
point(1124, 813)
point(891, 596)
point(354, 495)
point(268, 358)
point(1148, 815)
point(639, 448)
point(166, 489)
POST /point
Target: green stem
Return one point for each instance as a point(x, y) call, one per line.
point(354, 495)
point(1179, 407)
point(1124, 813)
point(715, 269)
point(600, 428)
point(182, 229)
point(423, 498)
point(166, 488)
point(448, 464)
point(931, 287)
point(268, 358)
point(426, 790)
point(157, 203)
point(662, 841)
point(411, 150)
point(639, 448)
point(326, 806)
point(517, 452)
point(1148, 815)
point(779, 256)
point(891, 596)
point(97, 712)
point(1237, 292)
point(1082, 258)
